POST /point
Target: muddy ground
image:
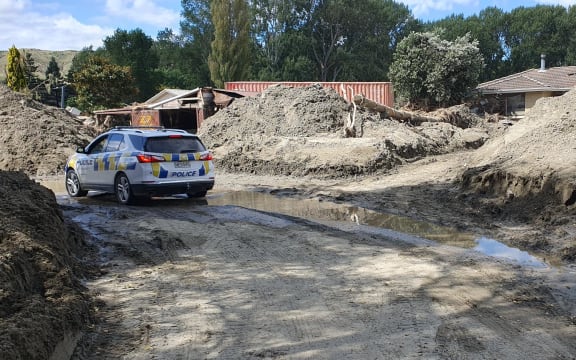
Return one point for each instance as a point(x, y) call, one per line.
point(251, 285)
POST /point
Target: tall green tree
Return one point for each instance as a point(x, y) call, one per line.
point(355, 42)
point(32, 80)
point(383, 25)
point(331, 27)
point(488, 28)
point(15, 71)
point(37, 88)
point(30, 68)
point(430, 71)
point(274, 23)
point(81, 59)
point(53, 69)
point(568, 26)
point(196, 27)
point(230, 56)
point(100, 84)
point(134, 49)
point(192, 47)
point(179, 66)
point(534, 31)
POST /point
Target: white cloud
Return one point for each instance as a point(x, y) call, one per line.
point(428, 8)
point(50, 26)
point(48, 32)
point(143, 11)
point(565, 3)
point(12, 5)
point(24, 26)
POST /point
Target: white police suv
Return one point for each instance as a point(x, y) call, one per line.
point(138, 162)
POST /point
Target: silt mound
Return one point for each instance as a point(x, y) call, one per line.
point(535, 157)
point(300, 132)
point(42, 301)
point(35, 138)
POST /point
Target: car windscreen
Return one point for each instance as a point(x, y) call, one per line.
point(174, 145)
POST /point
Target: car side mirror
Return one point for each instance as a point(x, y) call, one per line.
point(80, 150)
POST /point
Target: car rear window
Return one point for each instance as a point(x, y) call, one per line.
point(177, 145)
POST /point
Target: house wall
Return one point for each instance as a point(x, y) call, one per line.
point(532, 97)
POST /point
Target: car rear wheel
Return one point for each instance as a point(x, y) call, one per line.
point(73, 184)
point(198, 194)
point(123, 190)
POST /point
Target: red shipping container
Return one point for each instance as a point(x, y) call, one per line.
point(381, 92)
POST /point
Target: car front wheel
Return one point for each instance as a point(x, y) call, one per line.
point(73, 184)
point(123, 190)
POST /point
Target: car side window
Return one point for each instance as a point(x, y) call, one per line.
point(137, 141)
point(98, 146)
point(115, 142)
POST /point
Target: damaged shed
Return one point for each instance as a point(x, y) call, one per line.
point(171, 108)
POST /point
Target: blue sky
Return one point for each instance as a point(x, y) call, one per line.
point(75, 24)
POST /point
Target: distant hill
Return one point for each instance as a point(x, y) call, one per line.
point(41, 59)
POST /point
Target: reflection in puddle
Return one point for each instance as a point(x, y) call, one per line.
point(313, 209)
point(494, 248)
point(326, 211)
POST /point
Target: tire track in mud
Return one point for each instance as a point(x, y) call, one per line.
point(221, 282)
point(278, 287)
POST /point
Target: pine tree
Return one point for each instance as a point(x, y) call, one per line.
point(30, 68)
point(230, 56)
point(53, 69)
point(15, 73)
point(32, 81)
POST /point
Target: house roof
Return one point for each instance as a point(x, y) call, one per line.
point(534, 80)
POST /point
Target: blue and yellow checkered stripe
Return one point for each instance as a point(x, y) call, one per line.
point(114, 161)
point(127, 161)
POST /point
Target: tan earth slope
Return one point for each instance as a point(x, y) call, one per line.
point(536, 155)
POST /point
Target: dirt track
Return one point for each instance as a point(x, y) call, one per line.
point(186, 280)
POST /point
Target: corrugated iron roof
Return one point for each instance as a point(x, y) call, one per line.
point(534, 80)
point(170, 93)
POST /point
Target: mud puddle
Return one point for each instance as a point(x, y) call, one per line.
point(312, 209)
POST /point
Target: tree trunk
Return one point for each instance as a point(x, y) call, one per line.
point(410, 117)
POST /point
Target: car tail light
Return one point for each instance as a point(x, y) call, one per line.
point(174, 136)
point(206, 156)
point(147, 158)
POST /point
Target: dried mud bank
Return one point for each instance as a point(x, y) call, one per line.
point(528, 175)
point(42, 300)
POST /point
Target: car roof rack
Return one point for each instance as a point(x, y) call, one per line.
point(175, 130)
point(138, 127)
point(157, 128)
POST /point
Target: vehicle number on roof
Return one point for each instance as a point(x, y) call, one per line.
point(182, 164)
